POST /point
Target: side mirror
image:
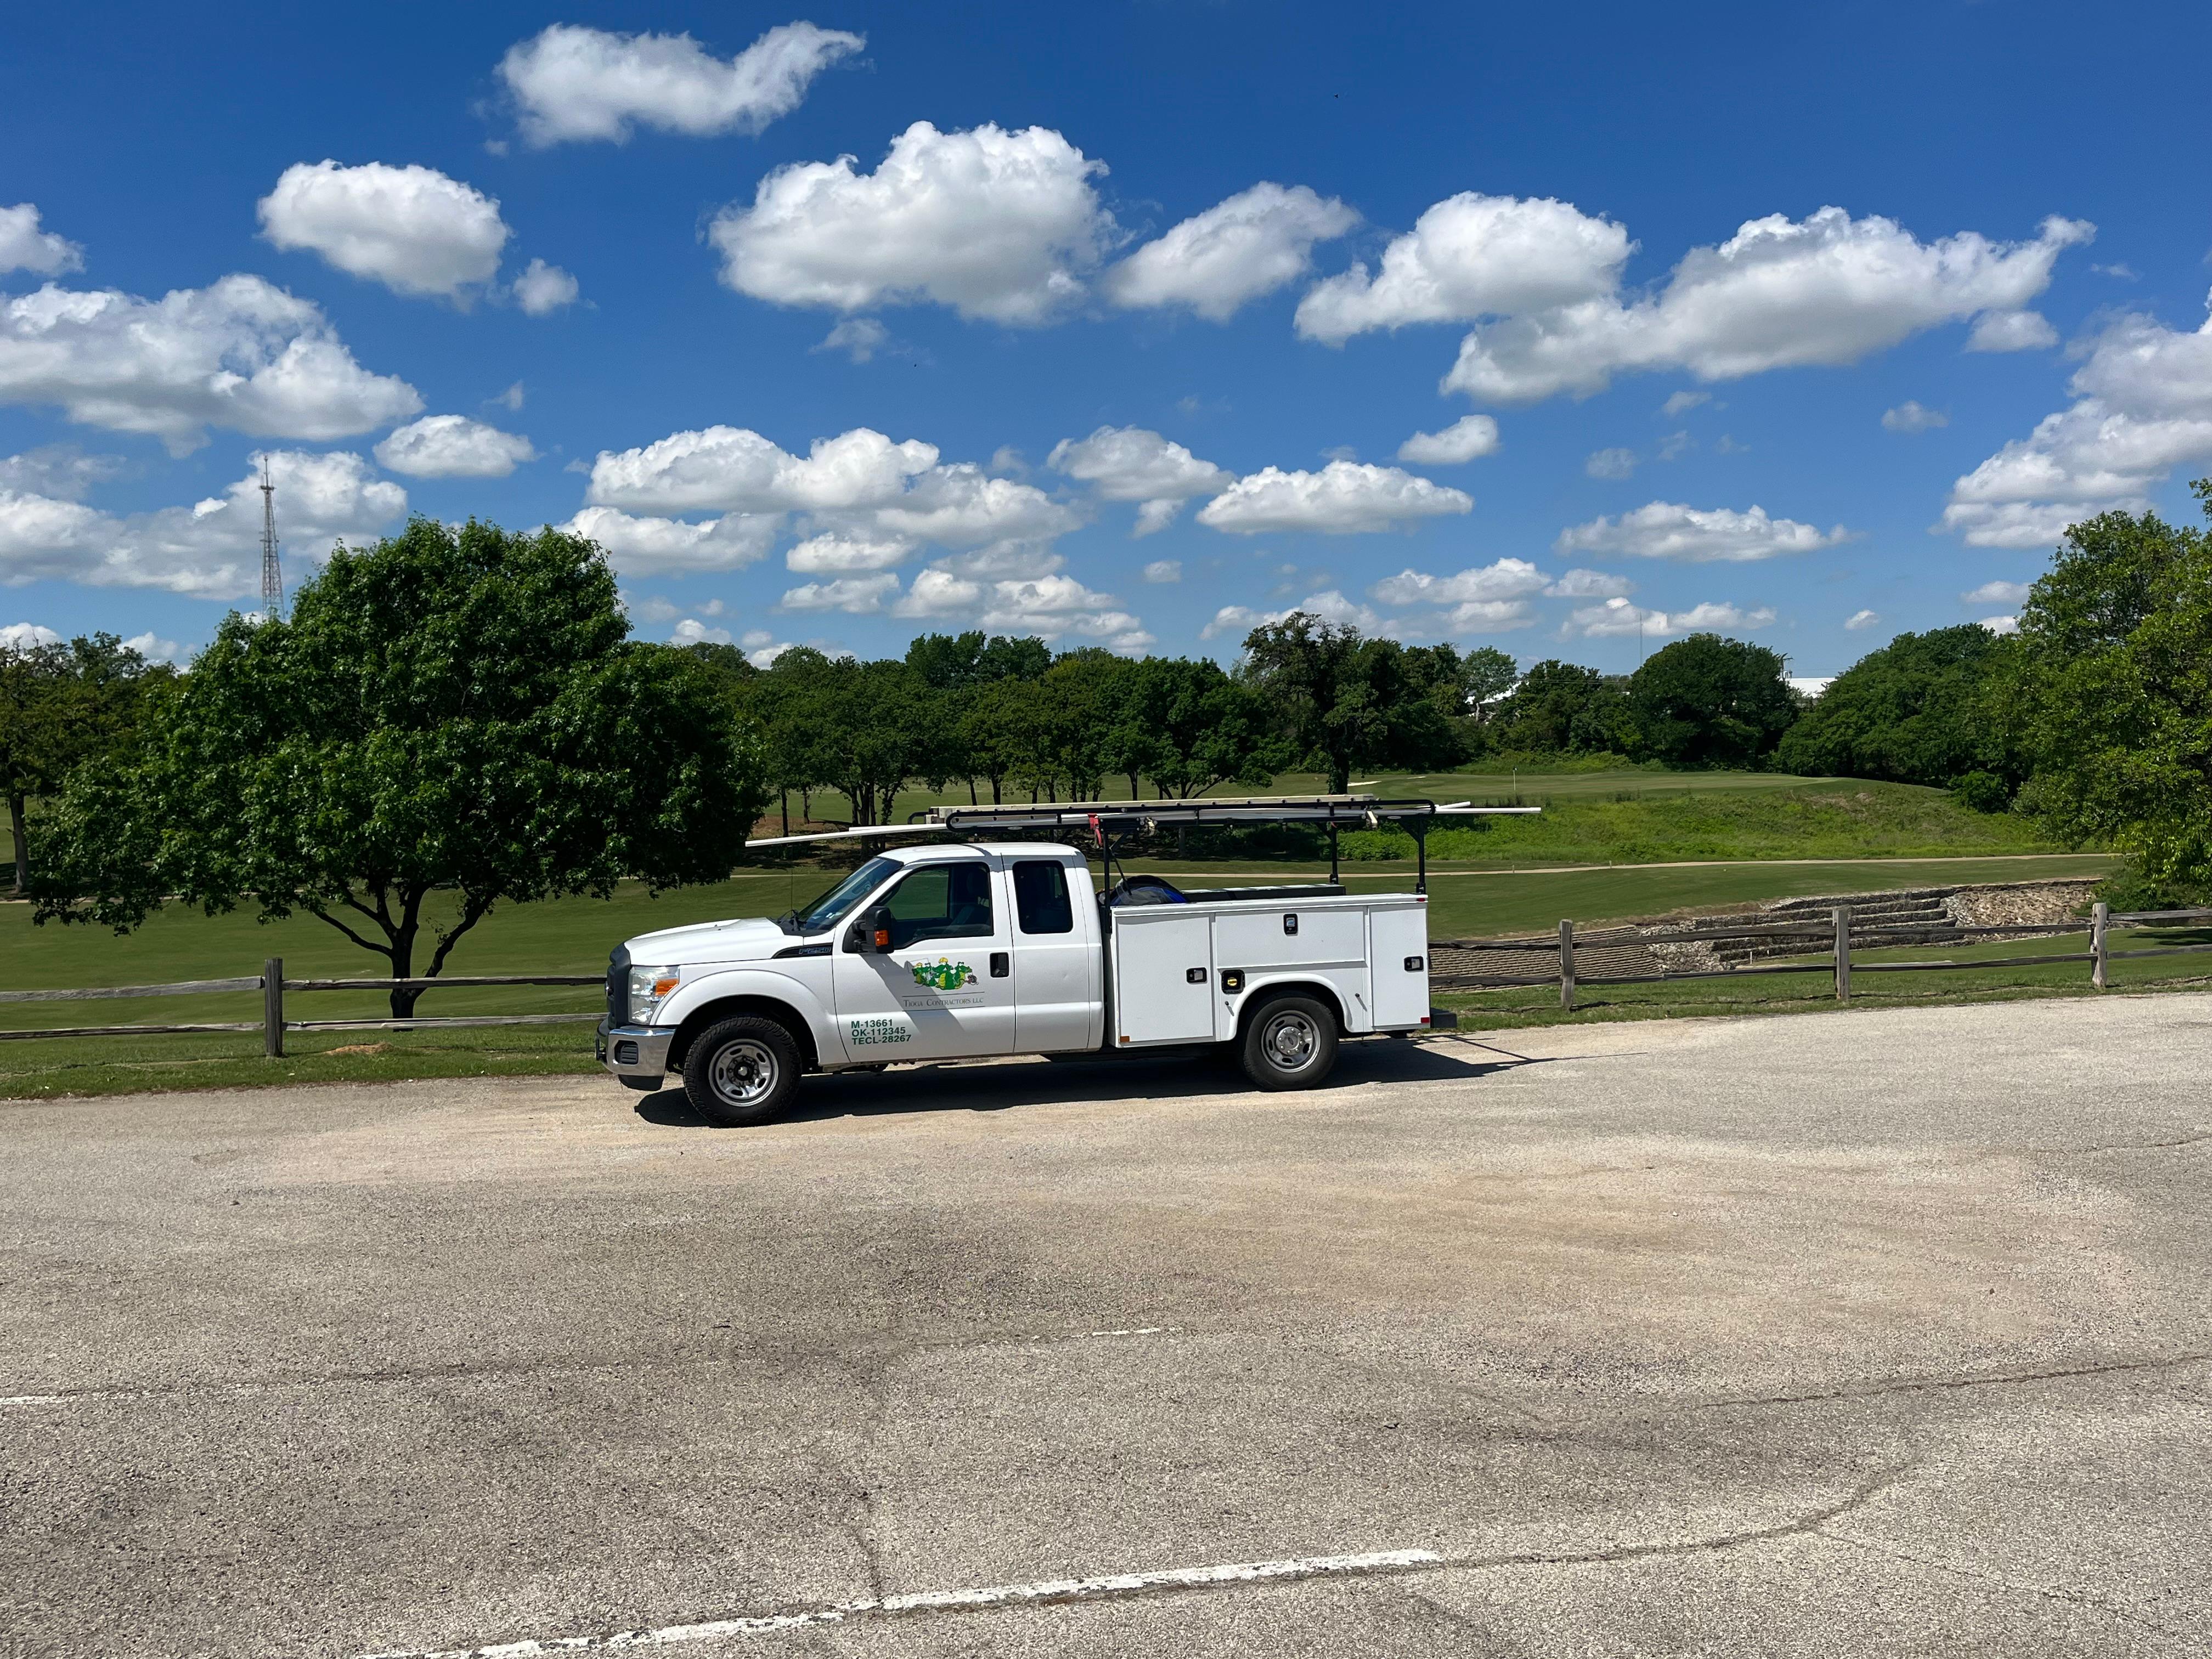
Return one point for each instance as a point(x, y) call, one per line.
point(871, 933)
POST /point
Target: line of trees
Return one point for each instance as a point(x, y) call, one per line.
point(461, 715)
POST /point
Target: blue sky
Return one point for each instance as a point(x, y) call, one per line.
point(1203, 270)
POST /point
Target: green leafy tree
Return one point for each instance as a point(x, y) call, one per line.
point(1197, 728)
point(1913, 712)
point(1486, 675)
point(60, 705)
point(1562, 707)
point(448, 720)
point(1706, 700)
point(2107, 692)
point(1344, 703)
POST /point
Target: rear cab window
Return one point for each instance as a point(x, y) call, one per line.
point(1040, 897)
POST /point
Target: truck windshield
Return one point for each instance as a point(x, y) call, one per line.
point(832, 907)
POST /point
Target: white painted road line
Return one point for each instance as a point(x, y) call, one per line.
point(989, 1595)
point(33, 1399)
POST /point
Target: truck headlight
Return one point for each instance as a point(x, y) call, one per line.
point(648, 988)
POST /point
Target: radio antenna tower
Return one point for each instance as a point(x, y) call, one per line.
point(272, 571)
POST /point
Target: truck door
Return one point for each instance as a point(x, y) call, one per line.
point(1058, 970)
point(946, 988)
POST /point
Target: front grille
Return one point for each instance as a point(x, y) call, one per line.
point(618, 986)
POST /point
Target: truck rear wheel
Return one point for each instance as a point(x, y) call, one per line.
point(1290, 1042)
point(741, 1072)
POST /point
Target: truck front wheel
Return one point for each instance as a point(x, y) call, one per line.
point(1290, 1042)
point(741, 1072)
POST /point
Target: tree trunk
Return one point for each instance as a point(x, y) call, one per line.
point(783, 799)
point(1135, 793)
point(972, 802)
point(22, 845)
point(403, 966)
point(997, 778)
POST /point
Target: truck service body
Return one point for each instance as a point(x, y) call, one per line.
point(975, 949)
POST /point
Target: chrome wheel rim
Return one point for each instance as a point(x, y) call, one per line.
point(1288, 1040)
point(744, 1072)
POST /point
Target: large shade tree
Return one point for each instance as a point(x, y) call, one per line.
point(1707, 701)
point(1909, 712)
point(2107, 692)
point(451, 719)
point(1343, 703)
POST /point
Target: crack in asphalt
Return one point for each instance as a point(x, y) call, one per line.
point(1981, 1575)
point(2119, 1146)
point(1203, 1581)
point(1931, 1384)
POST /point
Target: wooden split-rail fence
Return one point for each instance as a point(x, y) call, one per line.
point(272, 1024)
point(1454, 965)
point(1620, 956)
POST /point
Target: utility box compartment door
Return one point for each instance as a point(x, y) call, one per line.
point(1313, 938)
point(1162, 977)
point(1400, 959)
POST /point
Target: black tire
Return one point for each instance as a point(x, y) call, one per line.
point(741, 1072)
point(1290, 1042)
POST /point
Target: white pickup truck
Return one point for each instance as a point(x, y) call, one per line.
point(977, 949)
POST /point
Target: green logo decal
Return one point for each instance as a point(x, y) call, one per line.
point(865, 1032)
point(942, 975)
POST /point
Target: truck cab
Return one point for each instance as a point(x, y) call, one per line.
point(974, 950)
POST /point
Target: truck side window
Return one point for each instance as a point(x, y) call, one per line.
point(941, 900)
point(1041, 898)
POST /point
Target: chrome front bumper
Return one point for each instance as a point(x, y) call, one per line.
point(634, 1052)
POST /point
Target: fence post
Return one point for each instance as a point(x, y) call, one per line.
point(272, 1008)
point(1843, 953)
point(1566, 964)
point(2100, 917)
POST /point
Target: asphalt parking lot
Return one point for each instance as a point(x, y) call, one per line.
point(1883, 1332)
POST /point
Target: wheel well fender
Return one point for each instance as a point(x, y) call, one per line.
point(713, 1013)
point(1324, 995)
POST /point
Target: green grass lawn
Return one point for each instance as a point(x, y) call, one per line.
point(1737, 837)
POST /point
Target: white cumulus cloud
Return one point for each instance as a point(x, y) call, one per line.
point(1911, 416)
point(210, 550)
point(1666, 530)
point(1215, 262)
point(1506, 579)
point(241, 353)
point(1130, 464)
point(1468, 257)
point(1827, 289)
point(2142, 408)
point(691, 631)
point(570, 83)
point(859, 337)
point(25, 247)
point(998, 225)
point(1860, 619)
point(833, 555)
point(1612, 464)
point(2011, 331)
point(1164, 570)
point(1589, 585)
point(855, 595)
point(1465, 440)
point(1998, 592)
point(542, 289)
point(25, 636)
point(411, 228)
point(1343, 498)
point(2001, 624)
point(454, 446)
point(734, 468)
point(644, 545)
point(1618, 618)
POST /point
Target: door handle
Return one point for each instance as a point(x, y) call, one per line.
point(1002, 963)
